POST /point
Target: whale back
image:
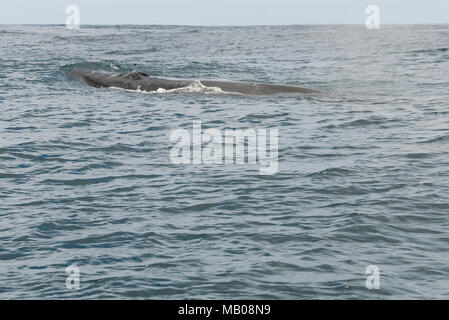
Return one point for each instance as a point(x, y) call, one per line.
point(136, 80)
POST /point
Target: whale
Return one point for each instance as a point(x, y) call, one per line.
point(140, 81)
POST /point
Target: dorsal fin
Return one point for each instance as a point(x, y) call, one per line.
point(135, 75)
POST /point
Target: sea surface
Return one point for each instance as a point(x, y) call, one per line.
point(363, 178)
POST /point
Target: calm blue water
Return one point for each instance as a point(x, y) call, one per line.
point(86, 177)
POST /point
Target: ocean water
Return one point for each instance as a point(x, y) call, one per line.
point(363, 178)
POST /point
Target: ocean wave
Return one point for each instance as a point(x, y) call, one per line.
point(86, 176)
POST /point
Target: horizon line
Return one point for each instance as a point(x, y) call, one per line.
point(225, 25)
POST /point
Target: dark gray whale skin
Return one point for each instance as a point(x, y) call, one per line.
point(140, 81)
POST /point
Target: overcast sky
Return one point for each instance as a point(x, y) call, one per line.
point(223, 12)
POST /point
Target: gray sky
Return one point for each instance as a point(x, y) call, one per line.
point(223, 12)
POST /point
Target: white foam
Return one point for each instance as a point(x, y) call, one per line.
point(195, 87)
